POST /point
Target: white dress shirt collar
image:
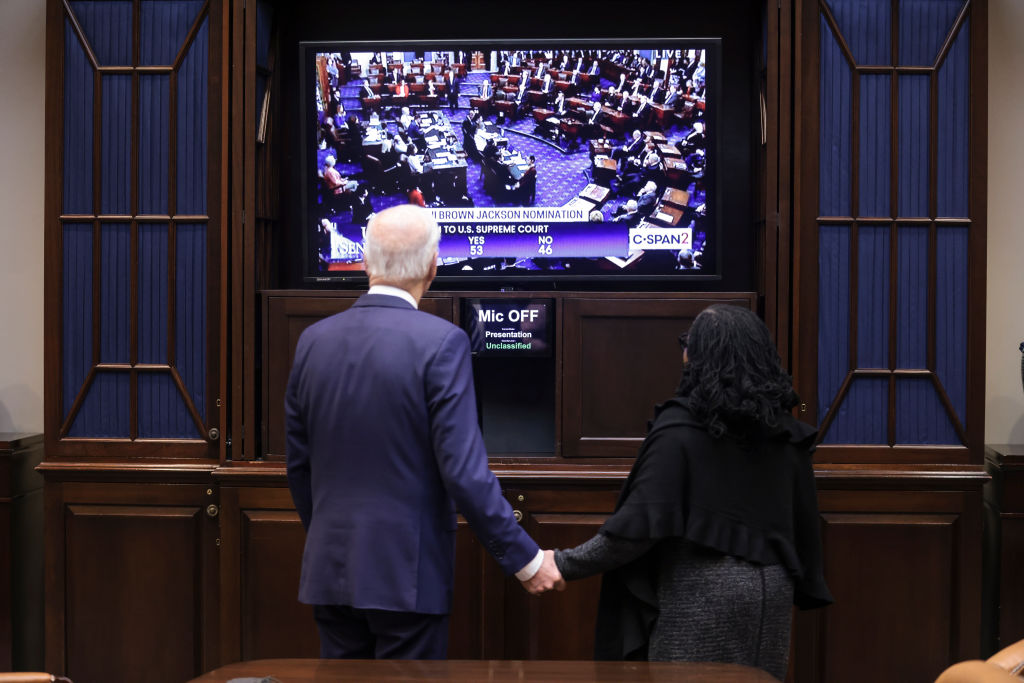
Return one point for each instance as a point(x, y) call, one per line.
point(388, 290)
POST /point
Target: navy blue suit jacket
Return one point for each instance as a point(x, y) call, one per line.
point(383, 445)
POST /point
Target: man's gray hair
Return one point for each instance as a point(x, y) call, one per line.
point(400, 244)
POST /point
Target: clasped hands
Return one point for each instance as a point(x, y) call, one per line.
point(546, 578)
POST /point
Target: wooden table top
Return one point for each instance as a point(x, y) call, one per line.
point(497, 671)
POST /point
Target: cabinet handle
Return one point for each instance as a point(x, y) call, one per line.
point(212, 510)
point(517, 515)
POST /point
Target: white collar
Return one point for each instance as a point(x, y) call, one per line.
point(388, 290)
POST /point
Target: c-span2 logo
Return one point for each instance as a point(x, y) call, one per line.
point(651, 237)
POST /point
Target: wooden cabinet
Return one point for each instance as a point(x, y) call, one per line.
point(21, 557)
point(1004, 537)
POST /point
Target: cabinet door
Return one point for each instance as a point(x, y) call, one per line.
point(556, 625)
point(133, 229)
point(261, 548)
point(620, 358)
point(131, 582)
point(905, 570)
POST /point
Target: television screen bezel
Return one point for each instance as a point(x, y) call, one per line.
point(543, 279)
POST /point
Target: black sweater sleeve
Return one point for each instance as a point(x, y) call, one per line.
point(600, 554)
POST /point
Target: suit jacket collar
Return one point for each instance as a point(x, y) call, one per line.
point(383, 300)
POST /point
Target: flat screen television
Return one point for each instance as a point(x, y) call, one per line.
point(540, 160)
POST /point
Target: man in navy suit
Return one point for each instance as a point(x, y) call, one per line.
point(383, 448)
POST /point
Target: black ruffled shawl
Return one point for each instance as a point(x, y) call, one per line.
point(754, 500)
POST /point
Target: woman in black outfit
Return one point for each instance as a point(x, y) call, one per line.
point(715, 534)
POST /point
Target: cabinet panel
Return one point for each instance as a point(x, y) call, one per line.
point(904, 567)
point(274, 623)
point(133, 566)
point(261, 558)
point(557, 625)
point(620, 358)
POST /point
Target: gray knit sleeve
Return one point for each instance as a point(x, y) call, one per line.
point(599, 554)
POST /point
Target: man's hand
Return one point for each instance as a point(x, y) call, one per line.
point(547, 577)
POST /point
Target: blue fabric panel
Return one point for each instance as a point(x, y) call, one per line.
point(163, 26)
point(836, 129)
point(912, 155)
point(78, 120)
point(264, 24)
point(192, 126)
point(921, 418)
point(833, 312)
point(107, 25)
point(76, 319)
point(154, 141)
point(863, 417)
point(924, 25)
point(866, 25)
point(105, 411)
point(873, 297)
point(152, 295)
point(874, 172)
point(912, 304)
point(954, 134)
point(190, 311)
point(116, 145)
point(115, 287)
point(162, 411)
point(951, 316)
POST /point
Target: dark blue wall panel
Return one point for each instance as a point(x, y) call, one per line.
point(954, 134)
point(833, 313)
point(924, 25)
point(190, 311)
point(873, 297)
point(862, 417)
point(105, 411)
point(76, 318)
point(116, 145)
point(107, 25)
point(192, 126)
point(920, 417)
point(912, 299)
point(162, 411)
point(951, 315)
point(264, 23)
point(914, 121)
point(78, 126)
point(163, 26)
point(154, 143)
point(874, 171)
point(153, 293)
point(867, 26)
point(836, 129)
point(115, 289)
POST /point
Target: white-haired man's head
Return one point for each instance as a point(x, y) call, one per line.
point(401, 247)
point(329, 161)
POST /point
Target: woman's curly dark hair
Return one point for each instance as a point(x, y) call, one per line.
point(733, 379)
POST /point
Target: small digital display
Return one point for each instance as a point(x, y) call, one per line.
point(508, 327)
